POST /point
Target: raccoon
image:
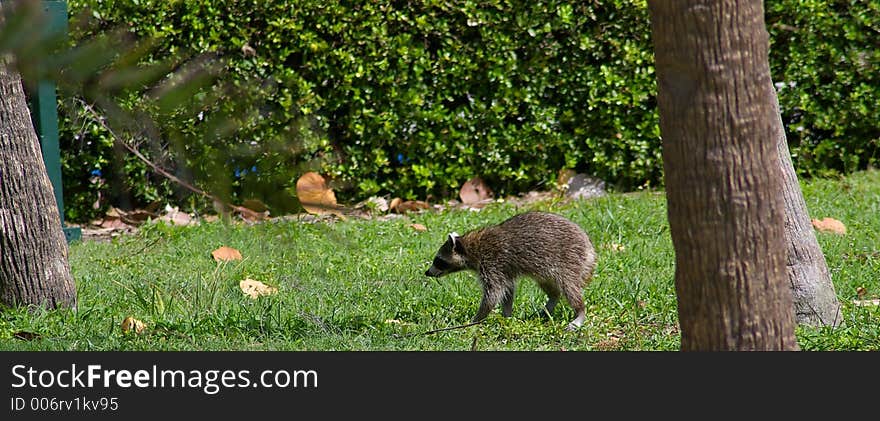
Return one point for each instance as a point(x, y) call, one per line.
point(546, 247)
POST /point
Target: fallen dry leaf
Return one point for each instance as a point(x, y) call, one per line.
point(475, 192)
point(395, 203)
point(131, 324)
point(410, 206)
point(250, 214)
point(314, 195)
point(112, 223)
point(860, 292)
point(255, 289)
point(226, 254)
point(830, 225)
point(867, 303)
point(418, 227)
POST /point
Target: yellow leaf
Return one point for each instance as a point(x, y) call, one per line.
point(132, 324)
point(418, 227)
point(226, 254)
point(255, 289)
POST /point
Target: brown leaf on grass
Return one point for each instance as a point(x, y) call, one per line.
point(112, 222)
point(394, 204)
point(408, 206)
point(112, 219)
point(130, 324)
point(418, 227)
point(314, 195)
point(256, 289)
point(829, 225)
point(475, 192)
point(226, 254)
point(861, 292)
point(251, 215)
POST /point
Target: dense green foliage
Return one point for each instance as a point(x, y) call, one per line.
point(824, 58)
point(360, 284)
point(413, 98)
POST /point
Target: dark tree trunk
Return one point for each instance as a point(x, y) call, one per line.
point(815, 301)
point(33, 250)
point(724, 192)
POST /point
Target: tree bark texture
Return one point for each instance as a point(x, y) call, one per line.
point(34, 269)
point(724, 190)
point(815, 301)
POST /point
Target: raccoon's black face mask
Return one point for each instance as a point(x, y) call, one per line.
point(450, 258)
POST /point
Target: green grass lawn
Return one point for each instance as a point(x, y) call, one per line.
point(360, 285)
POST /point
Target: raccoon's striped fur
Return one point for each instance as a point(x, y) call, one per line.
point(546, 247)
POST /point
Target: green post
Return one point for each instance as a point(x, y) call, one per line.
point(44, 106)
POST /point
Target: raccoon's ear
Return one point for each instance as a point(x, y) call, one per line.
point(457, 245)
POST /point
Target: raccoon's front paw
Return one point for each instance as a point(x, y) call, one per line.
point(572, 327)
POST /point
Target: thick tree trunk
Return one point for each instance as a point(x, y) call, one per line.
point(33, 251)
point(724, 191)
point(815, 301)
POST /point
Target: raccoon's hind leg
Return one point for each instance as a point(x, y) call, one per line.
point(552, 290)
point(507, 301)
point(574, 294)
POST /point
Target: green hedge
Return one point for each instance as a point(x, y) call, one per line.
point(413, 98)
point(825, 57)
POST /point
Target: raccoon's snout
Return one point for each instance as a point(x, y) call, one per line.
point(433, 272)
